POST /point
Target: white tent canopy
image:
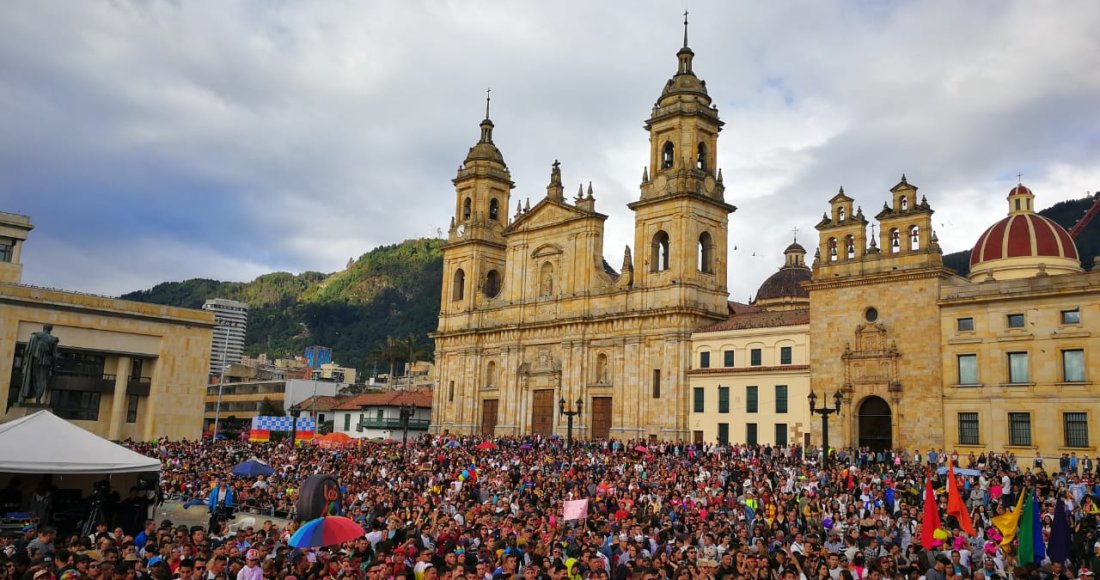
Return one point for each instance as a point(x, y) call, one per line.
point(45, 443)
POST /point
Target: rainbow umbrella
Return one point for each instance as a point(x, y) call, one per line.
point(326, 531)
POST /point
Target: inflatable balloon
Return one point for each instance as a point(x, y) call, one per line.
point(320, 496)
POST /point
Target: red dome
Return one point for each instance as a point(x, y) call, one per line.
point(1023, 235)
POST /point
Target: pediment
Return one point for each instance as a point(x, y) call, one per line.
point(546, 213)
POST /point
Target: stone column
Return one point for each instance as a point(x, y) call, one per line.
point(118, 404)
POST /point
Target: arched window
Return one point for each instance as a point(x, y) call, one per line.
point(546, 279)
point(658, 258)
point(667, 154)
point(895, 241)
point(491, 375)
point(458, 287)
point(492, 284)
point(601, 369)
point(494, 209)
point(706, 253)
point(850, 247)
point(701, 156)
point(904, 202)
point(467, 208)
point(840, 215)
point(832, 249)
point(914, 238)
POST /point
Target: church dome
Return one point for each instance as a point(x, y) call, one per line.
point(485, 150)
point(783, 290)
point(1023, 244)
point(786, 283)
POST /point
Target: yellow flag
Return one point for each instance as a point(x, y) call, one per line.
point(1009, 522)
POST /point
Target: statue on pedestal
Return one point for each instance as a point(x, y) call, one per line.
point(38, 363)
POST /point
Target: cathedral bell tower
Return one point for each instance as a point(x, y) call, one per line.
point(474, 255)
point(681, 220)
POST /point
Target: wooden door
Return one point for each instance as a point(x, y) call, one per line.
point(542, 412)
point(489, 417)
point(601, 417)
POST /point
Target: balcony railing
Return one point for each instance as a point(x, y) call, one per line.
point(391, 424)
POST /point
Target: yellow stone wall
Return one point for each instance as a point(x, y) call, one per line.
point(1047, 395)
point(176, 339)
point(896, 357)
point(796, 376)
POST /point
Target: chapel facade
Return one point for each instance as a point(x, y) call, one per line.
point(533, 318)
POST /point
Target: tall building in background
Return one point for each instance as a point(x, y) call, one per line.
point(232, 322)
point(316, 356)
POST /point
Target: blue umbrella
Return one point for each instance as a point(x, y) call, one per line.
point(253, 468)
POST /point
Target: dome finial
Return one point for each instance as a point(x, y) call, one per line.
point(487, 91)
point(795, 230)
point(685, 28)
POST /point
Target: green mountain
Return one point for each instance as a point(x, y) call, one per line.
point(392, 291)
point(1065, 214)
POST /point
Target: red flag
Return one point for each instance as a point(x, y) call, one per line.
point(930, 522)
point(955, 504)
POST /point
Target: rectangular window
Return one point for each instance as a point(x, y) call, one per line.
point(7, 250)
point(75, 405)
point(968, 429)
point(1073, 366)
point(784, 355)
point(750, 433)
point(755, 357)
point(1076, 426)
point(699, 396)
point(131, 408)
point(1019, 429)
point(752, 399)
point(1017, 367)
point(968, 369)
point(723, 433)
point(377, 416)
point(781, 398)
point(780, 433)
point(704, 360)
point(964, 324)
point(723, 399)
point(451, 391)
point(1015, 320)
point(656, 383)
point(727, 358)
point(347, 421)
point(1071, 316)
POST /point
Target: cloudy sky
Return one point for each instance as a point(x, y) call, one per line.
point(158, 140)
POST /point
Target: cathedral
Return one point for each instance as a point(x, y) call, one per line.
point(533, 320)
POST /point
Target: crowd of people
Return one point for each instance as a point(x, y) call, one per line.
point(465, 508)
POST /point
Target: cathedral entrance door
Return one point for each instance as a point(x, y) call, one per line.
point(489, 408)
point(601, 417)
point(875, 428)
point(542, 412)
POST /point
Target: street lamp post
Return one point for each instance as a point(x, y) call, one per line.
point(295, 412)
point(407, 412)
point(578, 406)
point(221, 381)
point(825, 411)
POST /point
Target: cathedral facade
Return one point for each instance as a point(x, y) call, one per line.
point(533, 319)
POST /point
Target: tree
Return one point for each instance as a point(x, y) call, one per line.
point(388, 352)
point(412, 351)
point(269, 408)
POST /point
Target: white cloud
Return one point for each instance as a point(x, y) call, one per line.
point(226, 139)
